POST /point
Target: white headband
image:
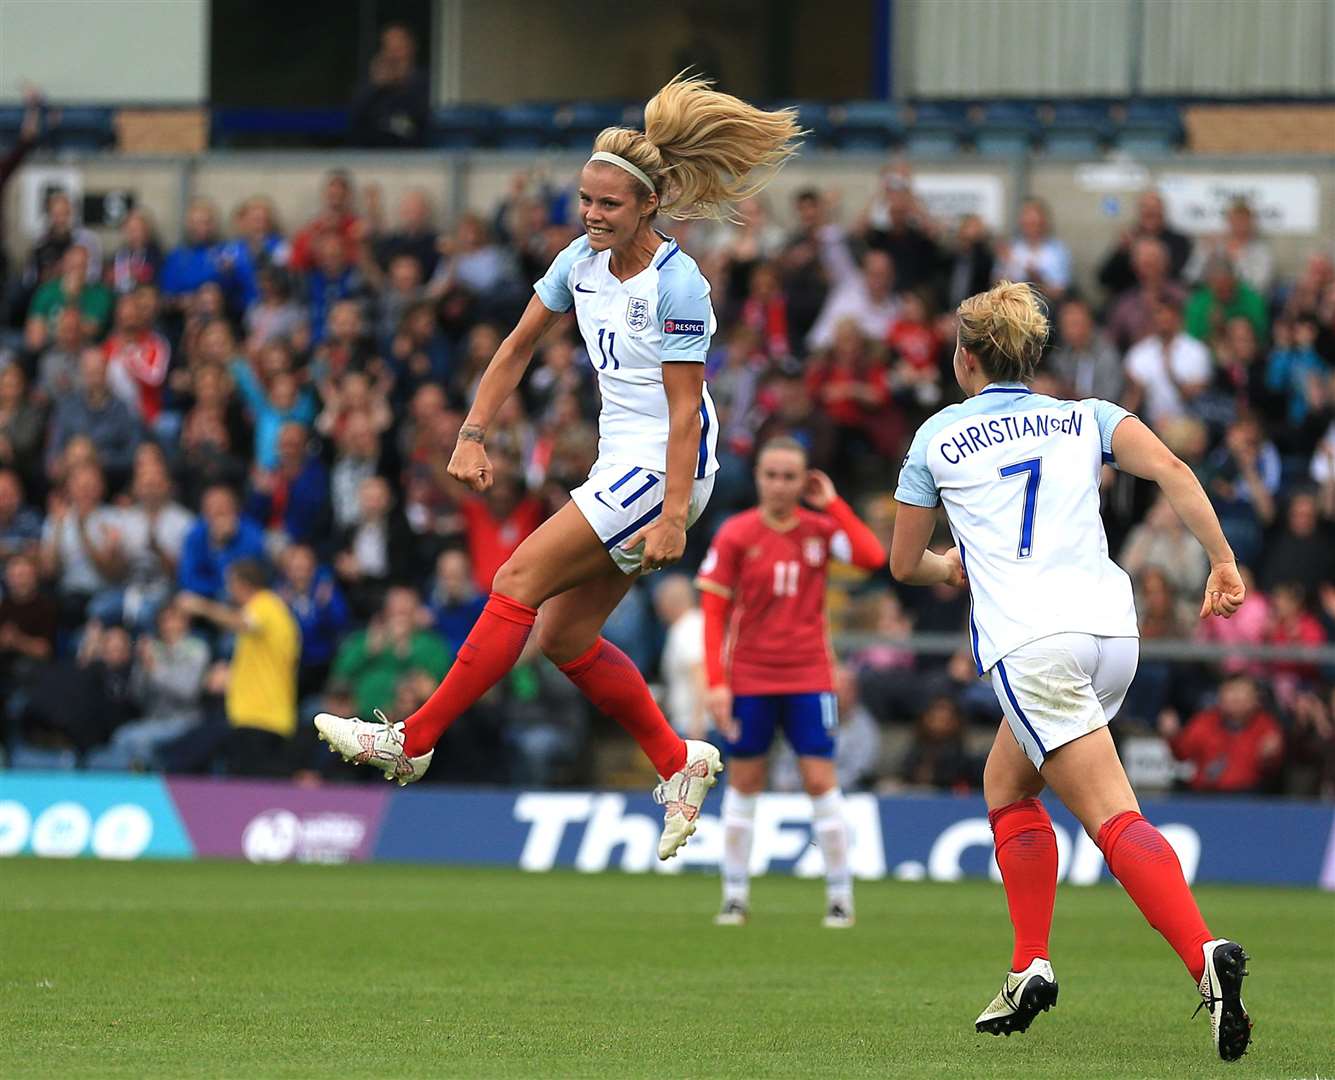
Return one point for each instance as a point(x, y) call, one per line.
point(622, 163)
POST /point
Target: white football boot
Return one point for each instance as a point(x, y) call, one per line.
point(683, 793)
point(1023, 996)
point(838, 915)
point(733, 913)
point(1221, 994)
point(378, 745)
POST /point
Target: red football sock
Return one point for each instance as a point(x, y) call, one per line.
point(489, 651)
point(607, 677)
point(1027, 855)
point(1142, 860)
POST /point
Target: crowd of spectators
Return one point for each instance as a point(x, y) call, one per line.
point(224, 501)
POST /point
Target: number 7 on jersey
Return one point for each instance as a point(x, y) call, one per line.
point(1034, 467)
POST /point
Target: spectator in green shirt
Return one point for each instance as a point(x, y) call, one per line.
point(1224, 296)
point(370, 664)
point(92, 300)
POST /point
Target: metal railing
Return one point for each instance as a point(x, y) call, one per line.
point(1179, 651)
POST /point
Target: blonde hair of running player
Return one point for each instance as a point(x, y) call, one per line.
point(1006, 328)
point(700, 146)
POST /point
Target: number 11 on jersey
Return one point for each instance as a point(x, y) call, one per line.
point(1034, 468)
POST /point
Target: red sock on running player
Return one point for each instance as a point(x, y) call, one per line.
point(607, 677)
point(1142, 860)
point(489, 651)
point(1027, 855)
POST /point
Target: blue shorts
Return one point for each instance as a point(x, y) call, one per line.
point(808, 722)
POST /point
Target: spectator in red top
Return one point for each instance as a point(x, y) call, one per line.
point(847, 381)
point(912, 335)
point(1292, 624)
point(498, 521)
point(1234, 747)
point(916, 345)
point(137, 355)
point(852, 386)
point(337, 216)
point(765, 310)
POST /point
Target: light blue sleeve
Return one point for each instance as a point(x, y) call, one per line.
point(1107, 416)
point(685, 316)
point(917, 486)
point(246, 382)
point(553, 288)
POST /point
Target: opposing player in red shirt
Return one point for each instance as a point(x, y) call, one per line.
point(767, 657)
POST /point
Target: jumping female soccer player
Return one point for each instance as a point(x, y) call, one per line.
point(763, 589)
point(1054, 624)
point(643, 310)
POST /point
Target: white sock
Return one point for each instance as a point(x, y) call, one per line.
point(827, 814)
point(739, 817)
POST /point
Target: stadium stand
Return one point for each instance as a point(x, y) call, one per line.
point(322, 335)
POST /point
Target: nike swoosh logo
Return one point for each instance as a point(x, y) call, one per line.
point(578, 289)
point(599, 496)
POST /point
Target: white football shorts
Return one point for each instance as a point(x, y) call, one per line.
point(1063, 686)
point(620, 500)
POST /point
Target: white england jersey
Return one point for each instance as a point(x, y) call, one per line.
point(630, 328)
point(1018, 473)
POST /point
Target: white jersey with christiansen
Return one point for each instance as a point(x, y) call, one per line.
point(1018, 473)
point(630, 329)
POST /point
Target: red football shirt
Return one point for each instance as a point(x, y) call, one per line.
point(492, 541)
point(777, 641)
point(137, 364)
point(1229, 759)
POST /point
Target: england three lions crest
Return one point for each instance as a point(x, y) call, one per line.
point(637, 314)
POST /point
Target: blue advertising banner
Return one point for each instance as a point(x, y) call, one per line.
point(910, 837)
point(937, 837)
point(107, 816)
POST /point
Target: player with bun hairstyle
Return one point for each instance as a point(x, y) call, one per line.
point(1053, 624)
point(767, 658)
point(644, 313)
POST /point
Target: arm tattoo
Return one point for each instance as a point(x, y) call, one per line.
point(471, 433)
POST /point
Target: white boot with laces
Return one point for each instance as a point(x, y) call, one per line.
point(378, 745)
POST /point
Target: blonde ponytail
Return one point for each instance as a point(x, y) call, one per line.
point(1006, 328)
point(699, 147)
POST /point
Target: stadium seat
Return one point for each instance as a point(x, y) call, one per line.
point(815, 118)
point(84, 129)
point(241, 123)
point(1149, 128)
point(869, 125)
point(24, 756)
point(526, 126)
point(11, 119)
point(632, 116)
point(460, 126)
point(579, 124)
point(936, 129)
point(1005, 129)
point(1076, 130)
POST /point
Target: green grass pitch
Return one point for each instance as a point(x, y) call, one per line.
point(221, 970)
